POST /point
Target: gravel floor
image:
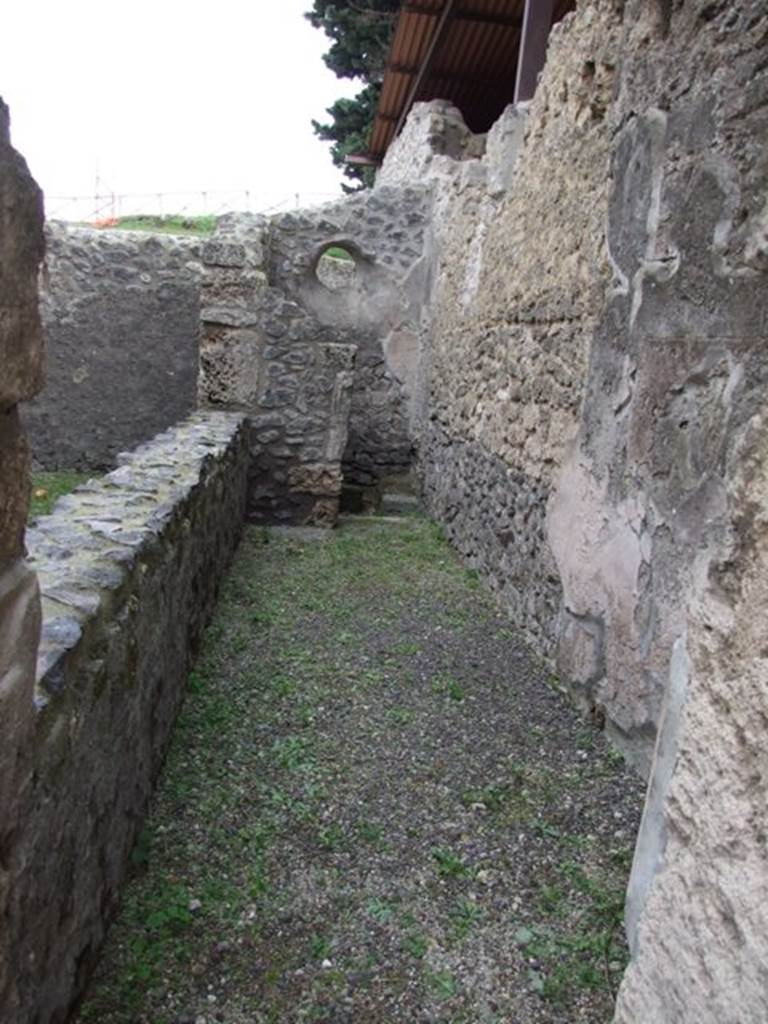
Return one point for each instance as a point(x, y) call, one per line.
point(377, 808)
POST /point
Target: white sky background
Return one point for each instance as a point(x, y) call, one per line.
point(166, 96)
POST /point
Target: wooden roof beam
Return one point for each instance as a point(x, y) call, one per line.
point(460, 77)
point(362, 160)
point(506, 21)
point(434, 42)
point(537, 22)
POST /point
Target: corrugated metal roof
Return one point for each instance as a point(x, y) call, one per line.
point(473, 65)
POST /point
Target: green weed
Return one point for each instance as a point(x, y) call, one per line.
point(320, 947)
point(449, 864)
point(331, 837)
point(47, 488)
point(370, 832)
point(441, 984)
point(416, 944)
point(379, 910)
point(464, 916)
point(172, 224)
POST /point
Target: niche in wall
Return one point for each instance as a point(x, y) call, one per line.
point(336, 268)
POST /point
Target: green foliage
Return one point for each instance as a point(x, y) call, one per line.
point(142, 849)
point(446, 684)
point(370, 832)
point(348, 131)
point(320, 947)
point(416, 944)
point(48, 487)
point(464, 915)
point(379, 910)
point(172, 224)
point(449, 864)
point(331, 836)
point(441, 984)
point(360, 31)
point(338, 253)
point(588, 955)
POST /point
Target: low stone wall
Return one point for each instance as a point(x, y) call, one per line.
point(120, 315)
point(128, 568)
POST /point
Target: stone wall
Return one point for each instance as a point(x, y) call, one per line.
point(128, 569)
point(91, 677)
point(325, 367)
point(594, 440)
point(262, 353)
point(121, 313)
point(682, 349)
point(519, 270)
point(21, 354)
point(380, 309)
point(121, 324)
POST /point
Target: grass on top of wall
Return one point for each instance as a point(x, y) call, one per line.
point(48, 487)
point(171, 224)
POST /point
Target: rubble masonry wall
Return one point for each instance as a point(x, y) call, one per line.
point(594, 440)
point(120, 313)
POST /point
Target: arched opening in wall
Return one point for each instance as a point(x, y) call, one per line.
point(336, 269)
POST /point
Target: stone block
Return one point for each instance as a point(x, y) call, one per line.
point(230, 367)
point(19, 638)
point(19, 634)
point(22, 248)
point(230, 315)
point(323, 480)
point(218, 253)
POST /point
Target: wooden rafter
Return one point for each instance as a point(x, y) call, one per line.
point(437, 36)
point(534, 37)
point(466, 15)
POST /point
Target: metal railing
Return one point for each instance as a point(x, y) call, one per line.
point(110, 206)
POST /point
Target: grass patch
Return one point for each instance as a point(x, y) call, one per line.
point(449, 864)
point(170, 224)
point(589, 953)
point(48, 487)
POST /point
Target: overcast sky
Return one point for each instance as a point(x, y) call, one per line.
point(162, 96)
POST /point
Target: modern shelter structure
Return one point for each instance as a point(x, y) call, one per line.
point(480, 55)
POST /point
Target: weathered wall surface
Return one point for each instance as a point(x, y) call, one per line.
point(128, 569)
point(121, 312)
point(121, 323)
point(594, 440)
point(682, 349)
point(520, 269)
point(432, 131)
point(263, 354)
point(21, 353)
point(379, 310)
point(324, 366)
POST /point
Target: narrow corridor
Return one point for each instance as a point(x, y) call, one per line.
point(377, 808)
